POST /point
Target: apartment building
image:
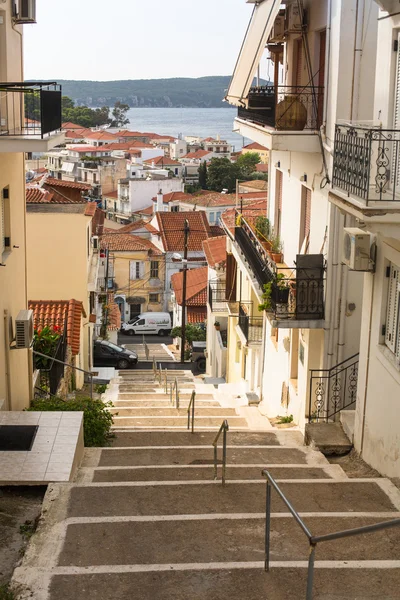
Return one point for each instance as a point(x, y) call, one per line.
point(312, 307)
point(27, 126)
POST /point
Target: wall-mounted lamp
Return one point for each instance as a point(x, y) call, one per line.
point(304, 178)
point(278, 164)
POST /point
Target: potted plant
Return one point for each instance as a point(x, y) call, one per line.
point(263, 230)
point(277, 249)
point(217, 325)
point(276, 295)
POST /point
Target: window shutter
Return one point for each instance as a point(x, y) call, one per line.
point(307, 212)
point(141, 270)
point(278, 201)
point(230, 284)
point(396, 121)
point(392, 320)
point(132, 270)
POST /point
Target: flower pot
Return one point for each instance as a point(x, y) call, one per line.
point(291, 114)
point(266, 245)
point(276, 256)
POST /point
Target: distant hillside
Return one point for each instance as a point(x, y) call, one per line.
point(205, 92)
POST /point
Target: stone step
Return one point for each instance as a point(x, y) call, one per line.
point(168, 411)
point(136, 387)
point(160, 394)
point(199, 438)
point(219, 540)
point(167, 422)
point(220, 582)
point(128, 457)
point(161, 403)
point(206, 472)
point(137, 499)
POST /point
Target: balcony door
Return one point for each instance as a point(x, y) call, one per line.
point(278, 202)
point(321, 77)
point(395, 172)
point(305, 220)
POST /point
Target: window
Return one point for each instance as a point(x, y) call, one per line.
point(94, 177)
point(153, 298)
point(305, 219)
point(115, 206)
point(176, 171)
point(154, 269)
point(392, 336)
point(105, 204)
point(174, 208)
point(212, 217)
point(5, 221)
point(218, 218)
point(136, 270)
point(85, 176)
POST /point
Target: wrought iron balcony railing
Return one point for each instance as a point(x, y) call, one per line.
point(252, 327)
point(105, 285)
point(285, 108)
point(366, 162)
point(30, 108)
point(333, 390)
point(295, 293)
point(217, 297)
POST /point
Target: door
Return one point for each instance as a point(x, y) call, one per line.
point(135, 310)
point(140, 326)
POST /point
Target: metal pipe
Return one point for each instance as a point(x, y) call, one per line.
point(224, 456)
point(356, 531)
point(310, 572)
point(267, 526)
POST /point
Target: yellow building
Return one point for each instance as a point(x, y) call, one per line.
point(20, 132)
point(257, 149)
point(63, 258)
point(136, 271)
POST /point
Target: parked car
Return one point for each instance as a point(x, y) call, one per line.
point(107, 354)
point(149, 323)
point(198, 355)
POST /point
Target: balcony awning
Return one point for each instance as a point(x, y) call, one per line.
point(260, 26)
point(68, 167)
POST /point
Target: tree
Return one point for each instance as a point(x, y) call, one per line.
point(119, 118)
point(203, 175)
point(193, 333)
point(247, 163)
point(82, 115)
point(222, 174)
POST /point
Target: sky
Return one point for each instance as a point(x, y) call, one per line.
point(134, 39)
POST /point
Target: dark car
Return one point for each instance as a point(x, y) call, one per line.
point(198, 355)
point(107, 354)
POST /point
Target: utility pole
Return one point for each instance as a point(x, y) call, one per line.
point(106, 289)
point(185, 253)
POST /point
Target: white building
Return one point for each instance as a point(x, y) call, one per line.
point(315, 85)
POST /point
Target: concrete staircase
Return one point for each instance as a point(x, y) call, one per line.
point(145, 519)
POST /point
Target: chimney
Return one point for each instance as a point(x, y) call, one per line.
point(160, 202)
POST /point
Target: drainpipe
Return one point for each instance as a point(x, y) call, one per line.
point(367, 367)
point(6, 318)
point(343, 309)
point(327, 60)
point(329, 282)
point(358, 35)
point(337, 296)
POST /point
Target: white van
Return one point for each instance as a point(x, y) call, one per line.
point(149, 323)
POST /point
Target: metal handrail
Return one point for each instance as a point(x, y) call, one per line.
point(62, 362)
point(146, 348)
point(223, 429)
point(159, 374)
point(154, 368)
point(166, 381)
point(191, 408)
point(312, 539)
point(174, 389)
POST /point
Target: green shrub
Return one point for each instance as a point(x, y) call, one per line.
point(101, 388)
point(97, 420)
point(6, 593)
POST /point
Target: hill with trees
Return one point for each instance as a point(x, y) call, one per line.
point(204, 92)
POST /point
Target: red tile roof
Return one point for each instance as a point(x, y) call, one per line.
point(114, 317)
point(73, 134)
point(69, 125)
point(37, 195)
point(216, 230)
point(262, 168)
point(250, 212)
point(126, 242)
point(171, 227)
point(149, 210)
point(113, 194)
point(254, 146)
point(197, 155)
point(215, 251)
point(196, 314)
point(84, 149)
point(174, 196)
point(133, 226)
point(101, 135)
point(55, 313)
point(67, 184)
point(162, 161)
point(196, 286)
point(256, 184)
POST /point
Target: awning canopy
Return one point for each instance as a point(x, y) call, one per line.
point(260, 26)
point(68, 167)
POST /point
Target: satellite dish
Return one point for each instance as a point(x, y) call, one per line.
point(29, 175)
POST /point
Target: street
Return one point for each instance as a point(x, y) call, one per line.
point(138, 339)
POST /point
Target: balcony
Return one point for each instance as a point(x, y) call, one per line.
point(217, 298)
point(251, 327)
point(30, 117)
point(283, 117)
point(293, 297)
point(106, 285)
point(366, 167)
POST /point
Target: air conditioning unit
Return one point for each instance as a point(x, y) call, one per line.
point(357, 249)
point(24, 329)
point(95, 243)
point(25, 11)
point(293, 19)
point(278, 30)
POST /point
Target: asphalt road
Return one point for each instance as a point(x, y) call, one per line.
point(137, 339)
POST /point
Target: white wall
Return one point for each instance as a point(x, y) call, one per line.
point(141, 192)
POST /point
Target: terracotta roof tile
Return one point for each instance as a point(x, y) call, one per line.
point(215, 250)
point(196, 314)
point(67, 184)
point(73, 134)
point(37, 195)
point(132, 226)
point(85, 149)
point(90, 209)
point(114, 317)
point(59, 312)
point(171, 227)
point(113, 194)
point(250, 212)
point(256, 184)
point(262, 168)
point(149, 210)
point(174, 196)
point(197, 155)
point(101, 135)
point(126, 242)
point(254, 146)
point(69, 125)
point(162, 161)
point(216, 199)
point(196, 286)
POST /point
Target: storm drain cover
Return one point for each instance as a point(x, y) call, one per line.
point(17, 437)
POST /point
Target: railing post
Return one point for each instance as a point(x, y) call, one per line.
point(224, 453)
point(267, 526)
point(193, 398)
point(91, 387)
point(215, 462)
point(310, 572)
